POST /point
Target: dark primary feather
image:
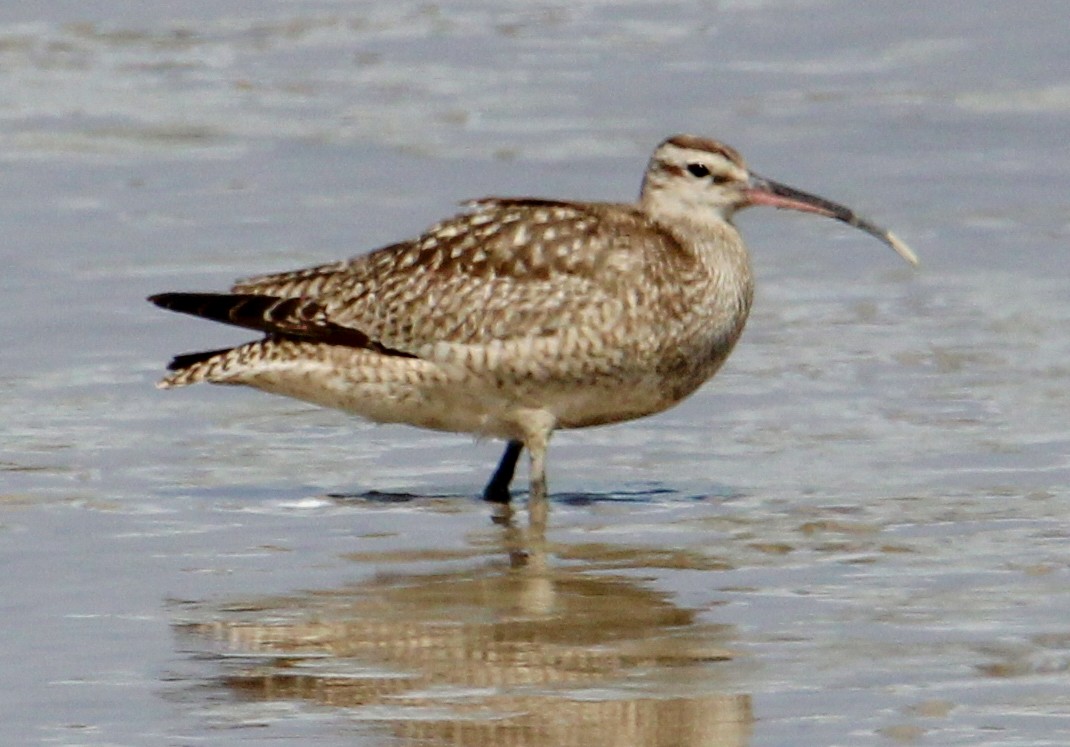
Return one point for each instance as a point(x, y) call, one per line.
point(262, 313)
point(290, 318)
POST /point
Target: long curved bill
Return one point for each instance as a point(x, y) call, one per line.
point(761, 191)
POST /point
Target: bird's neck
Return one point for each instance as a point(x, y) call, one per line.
point(721, 281)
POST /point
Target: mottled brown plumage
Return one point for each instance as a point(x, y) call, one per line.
point(520, 316)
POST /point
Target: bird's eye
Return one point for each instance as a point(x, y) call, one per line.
point(698, 170)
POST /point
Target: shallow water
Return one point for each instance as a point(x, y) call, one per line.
point(855, 535)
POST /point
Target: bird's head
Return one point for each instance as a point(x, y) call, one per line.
point(703, 179)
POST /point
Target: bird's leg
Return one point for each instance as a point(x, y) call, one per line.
point(538, 473)
point(497, 490)
point(538, 498)
point(537, 426)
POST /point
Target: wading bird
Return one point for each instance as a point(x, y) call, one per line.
point(520, 316)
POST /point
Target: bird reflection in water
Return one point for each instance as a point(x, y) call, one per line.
point(549, 646)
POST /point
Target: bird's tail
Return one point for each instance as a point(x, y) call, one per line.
point(191, 368)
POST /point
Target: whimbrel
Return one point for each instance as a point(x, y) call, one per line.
point(519, 316)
